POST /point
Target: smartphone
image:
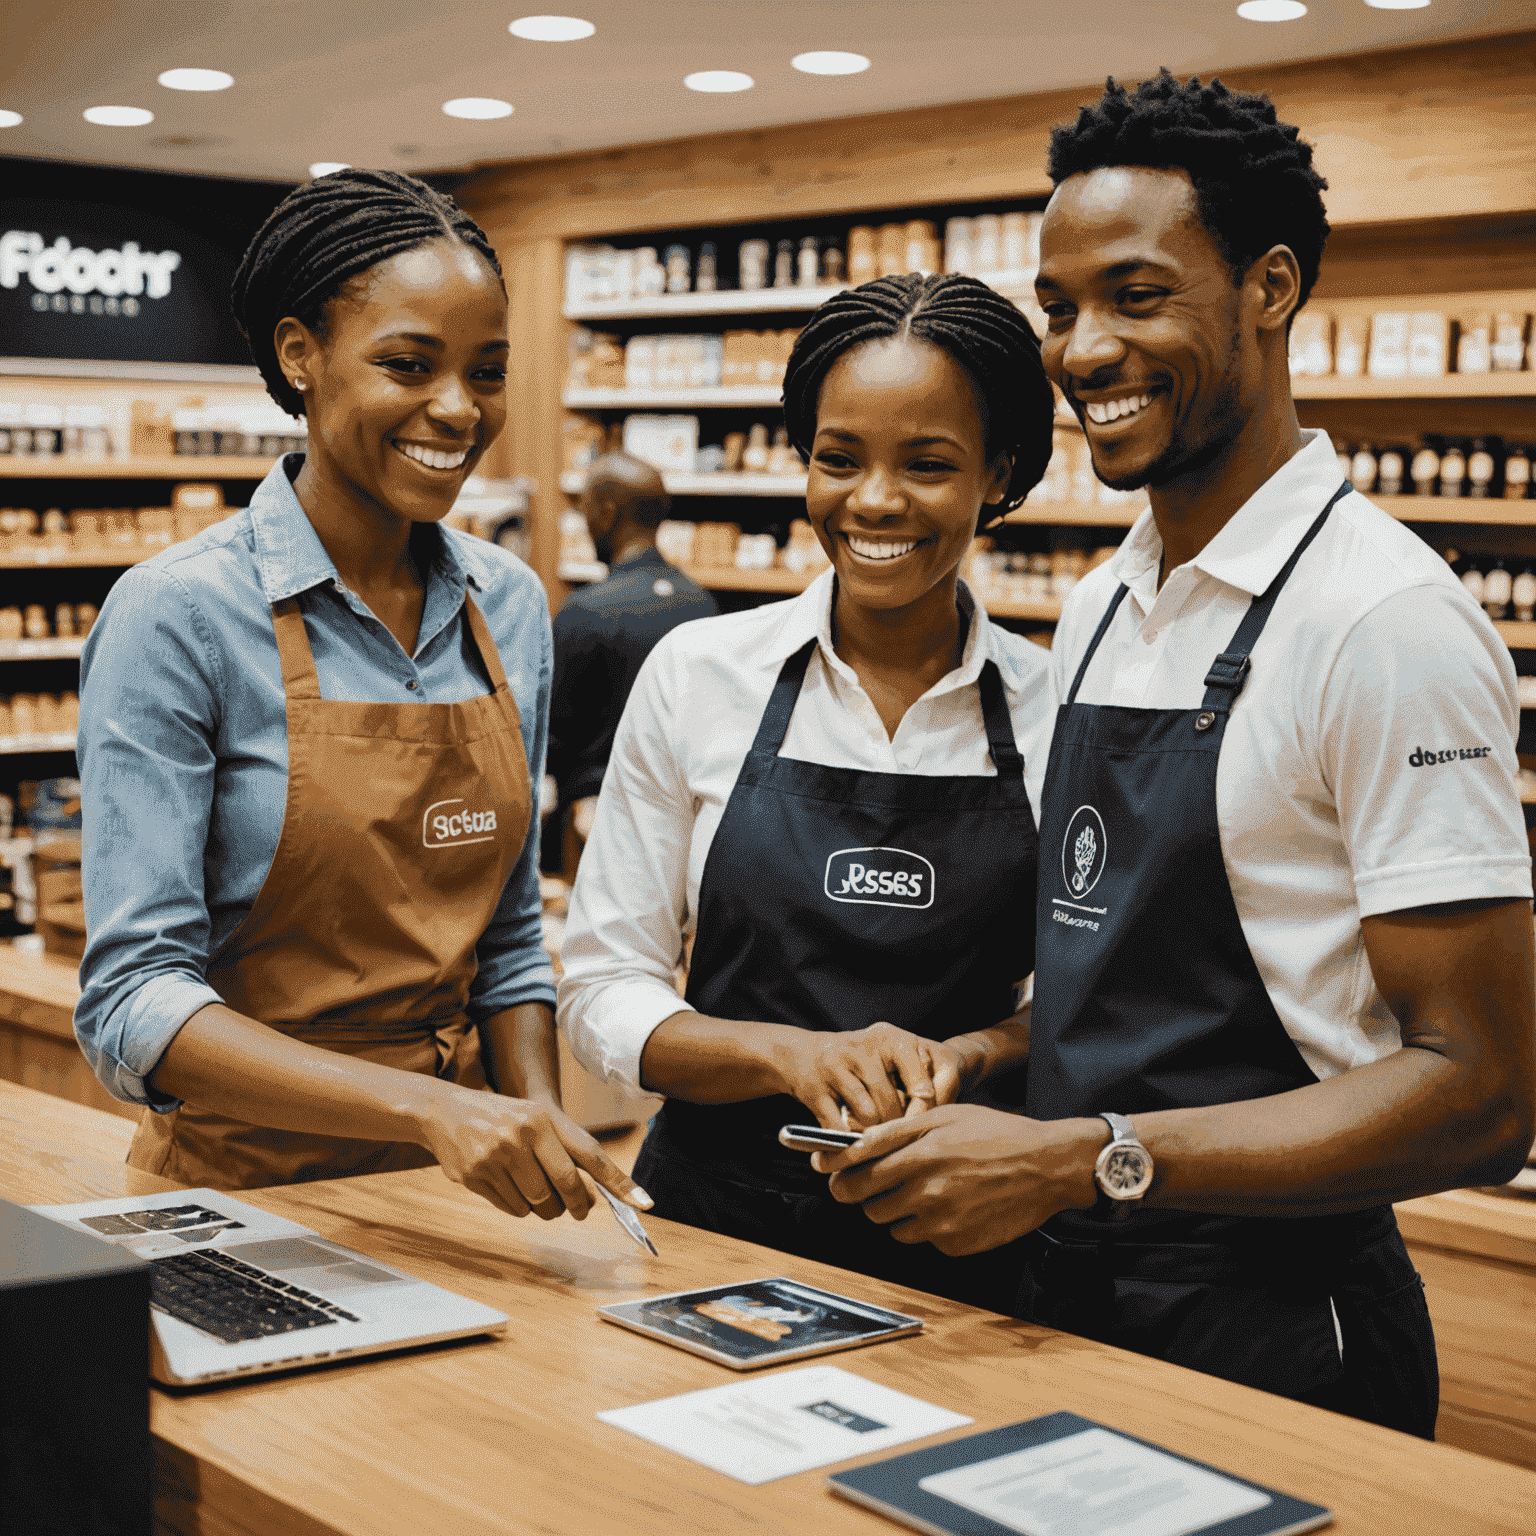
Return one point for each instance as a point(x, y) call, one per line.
point(816, 1138)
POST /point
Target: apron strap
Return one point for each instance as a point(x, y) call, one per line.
point(490, 657)
point(1229, 671)
point(774, 725)
point(1002, 743)
point(1093, 645)
point(300, 680)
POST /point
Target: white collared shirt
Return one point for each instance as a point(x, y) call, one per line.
point(687, 727)
point(1368, 765)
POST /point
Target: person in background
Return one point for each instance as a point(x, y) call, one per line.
point(835, 795)
point(1284, 947)
point(307, 740)
point(603, 632)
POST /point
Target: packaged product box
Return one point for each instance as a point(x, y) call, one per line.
point(1429, 344)
point(1311, 347)
point(1389, 345)
point(755, 552)
point(715, 544)
point(706, 362)
point(1350, 335)
point(1474, 344)
point(734, 360)
point(1508, 342)
point(667, 442)
point(590, 274)
point(640, 362)
point(674, 540)
point(596, 361)
point(669, 368)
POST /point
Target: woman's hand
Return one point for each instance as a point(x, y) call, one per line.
point(876, 1074)
point(521, 1155)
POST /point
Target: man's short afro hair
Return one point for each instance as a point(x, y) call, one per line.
point(1252, 174)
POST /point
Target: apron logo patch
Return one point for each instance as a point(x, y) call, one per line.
point(447, 825)
point(879, 877)
point(1083, 851)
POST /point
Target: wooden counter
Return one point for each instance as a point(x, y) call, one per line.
point(501, 1436)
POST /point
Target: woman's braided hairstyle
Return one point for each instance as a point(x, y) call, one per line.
point(323, 233)
point(1255, 187)
point(974, 324)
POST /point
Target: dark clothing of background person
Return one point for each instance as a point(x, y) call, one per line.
point(603, 633)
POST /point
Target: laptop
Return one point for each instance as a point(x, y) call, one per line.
point(235, 1291)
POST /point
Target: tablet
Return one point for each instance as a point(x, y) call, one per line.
point(752, 1323)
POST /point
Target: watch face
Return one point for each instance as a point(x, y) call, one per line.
point(1124, 1172)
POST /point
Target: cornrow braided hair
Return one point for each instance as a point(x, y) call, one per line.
point(978, 327)
point(324, 233)
point(1254, 184)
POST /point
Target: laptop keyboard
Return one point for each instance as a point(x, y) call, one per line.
point(235, 1301)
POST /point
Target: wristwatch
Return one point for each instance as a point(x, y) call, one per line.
point(1123, 1170)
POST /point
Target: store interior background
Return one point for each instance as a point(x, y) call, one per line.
point(1424, 122)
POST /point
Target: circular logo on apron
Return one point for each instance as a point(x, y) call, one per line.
point(1083, 850)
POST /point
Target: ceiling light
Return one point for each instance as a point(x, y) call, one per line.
point(1271, 10)
point(196, 80)
point(830, 63)
point(718, 80)
point(1397, 5)
point(10, 119)
point(325, 167)
point(551, 29)
point(480, 108)
point(118, 117)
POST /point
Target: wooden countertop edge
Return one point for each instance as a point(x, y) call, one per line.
point(1489, 1224)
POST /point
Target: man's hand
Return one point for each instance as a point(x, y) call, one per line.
point(880, 1073)
point(965, 1178)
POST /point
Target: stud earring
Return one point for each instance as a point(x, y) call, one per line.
point(300, 385)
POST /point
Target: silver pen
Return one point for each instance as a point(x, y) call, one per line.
point(627, 1219)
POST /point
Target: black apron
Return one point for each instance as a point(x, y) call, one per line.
point(1147, 997)
point(833, 898)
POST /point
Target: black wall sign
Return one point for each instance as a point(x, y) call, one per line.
point(125, 266)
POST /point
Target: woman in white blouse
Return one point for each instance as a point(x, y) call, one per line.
point(835, 796)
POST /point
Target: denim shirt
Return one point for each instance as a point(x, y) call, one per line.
point(183, 751)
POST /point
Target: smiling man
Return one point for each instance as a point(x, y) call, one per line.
point(1284, 946)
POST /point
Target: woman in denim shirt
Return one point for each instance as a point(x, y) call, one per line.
point(307, 742)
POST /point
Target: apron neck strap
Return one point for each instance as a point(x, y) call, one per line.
point(774, 725)
point(300, 681)
point(1229, 671)
point(1002, 743)
point(490, 657)
point(1093, 645)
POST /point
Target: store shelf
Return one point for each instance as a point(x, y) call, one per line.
point(1519, 634)
point(757, 301)
point(757, 395)
point(241, 374)
point(1458, 509)
point(1461, 386)
point(170, 466)
point(678, 483)
point(1075, 514)
point(44, 559)
point(40, 650)
point(43, 741)
point(1525, 688)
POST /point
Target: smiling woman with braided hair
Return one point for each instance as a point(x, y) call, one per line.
point(307, 741)
point(835, 796)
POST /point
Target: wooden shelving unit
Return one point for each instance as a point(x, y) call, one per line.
point(169, 467)
point(1449, 386)
point(733, 301)
point(45, 560)
point(765, 396)
point(41, 650)
point(44, 741)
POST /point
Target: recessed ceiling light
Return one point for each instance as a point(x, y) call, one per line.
point(718, 80)
point(118, 117)
point(830, 63)
point(325, 167)
point(196, 80)
point(10, 119)
point(1271, 10)
point(481, 108)
point(551, 29)
point(1397, 5)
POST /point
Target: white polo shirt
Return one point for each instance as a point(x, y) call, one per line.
point(1369, 763)
point(685, 732)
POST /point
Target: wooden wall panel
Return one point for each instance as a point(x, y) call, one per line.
point(1434, 132)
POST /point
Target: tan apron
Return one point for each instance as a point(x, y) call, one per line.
point(402, 826)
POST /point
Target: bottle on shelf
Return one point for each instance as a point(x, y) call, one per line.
point(1453, 470)
point(650, 275)
point(1425, 468)
point(833, 270)
point(1472, 578)
point(679, 275)
point(1498, 589)
point(754, 457)
point(808, 263)
point(958, 255)
point(1362, 469)
point(863, 263)
point(1391, 471)
point(784, 265)
point(706, 279)
point(1523, 594)
point(752, 265)
point(891, 251)
point(1346, 457)
point(1482, 467)
point(1517, 472)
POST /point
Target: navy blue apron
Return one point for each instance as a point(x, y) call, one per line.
point(1146, 998)
point(833, 898)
